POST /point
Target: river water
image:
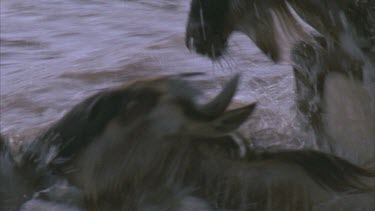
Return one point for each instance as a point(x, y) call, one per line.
point(54, 53)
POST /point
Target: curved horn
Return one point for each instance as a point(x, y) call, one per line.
point(218, 105)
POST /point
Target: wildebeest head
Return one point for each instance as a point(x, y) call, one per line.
point(272, 24)
point(126, 134)
point(211, 23)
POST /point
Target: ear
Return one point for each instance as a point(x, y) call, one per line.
point(232, 119)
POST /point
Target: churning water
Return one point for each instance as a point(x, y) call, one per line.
point(54, 53)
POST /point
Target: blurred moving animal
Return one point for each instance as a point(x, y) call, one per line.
point(150, 146)
point(343, 42)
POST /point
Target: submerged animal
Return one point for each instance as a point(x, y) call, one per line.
point(343, 43)
point(149, 145)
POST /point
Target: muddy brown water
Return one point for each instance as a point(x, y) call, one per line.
point(54, 53)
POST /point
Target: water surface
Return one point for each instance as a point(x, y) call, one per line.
point(54, 53)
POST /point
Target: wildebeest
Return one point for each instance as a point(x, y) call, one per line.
point(142, 131)
point(212, 22)
point(344, 43)
point(23, 187)
point(150, 146)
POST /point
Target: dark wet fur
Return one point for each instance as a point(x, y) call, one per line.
point(264, 178)
point(345, 44)
point(22, 185)
point(14, 187)
point(327, 170)
point(359, 14)
point(210, 38)
point(203, 170)
point(77, 128)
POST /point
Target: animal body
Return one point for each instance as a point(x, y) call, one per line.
point(27, 188)
point(344, 43)
point(150, 146)
point(153, 118)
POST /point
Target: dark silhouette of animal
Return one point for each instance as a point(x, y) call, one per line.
point(121, 144)
point(149, 145)
point(344, 44)
point(23, 187)
point(212, 22)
